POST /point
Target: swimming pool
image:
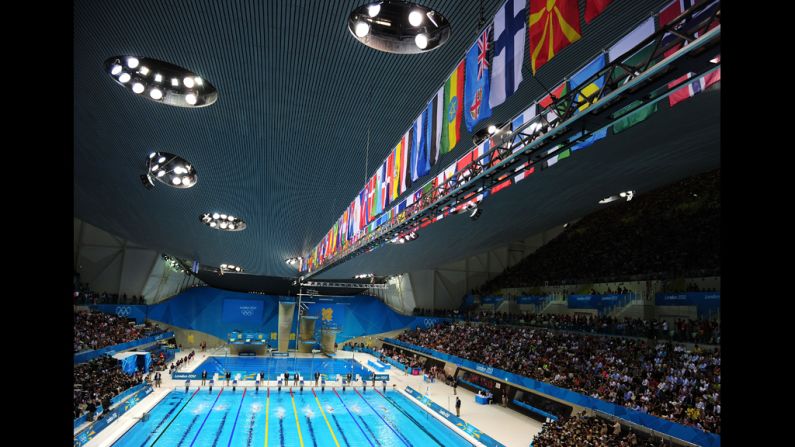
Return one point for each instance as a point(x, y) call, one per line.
point(310, 419)
point(274, 367)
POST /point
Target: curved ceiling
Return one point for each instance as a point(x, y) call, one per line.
point(286, 145)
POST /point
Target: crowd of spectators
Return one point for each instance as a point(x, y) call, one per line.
point(670, 232)
point(410, 361)
point(97, 382)
point(589, 431)
point(95, 330)
point(680, 330)
point(659, 378)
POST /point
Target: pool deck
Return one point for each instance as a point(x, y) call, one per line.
point(503, 424)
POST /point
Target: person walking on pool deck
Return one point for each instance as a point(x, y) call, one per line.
point(228, 376)
point(317, 377)
point(204, 377)
point(458, 406)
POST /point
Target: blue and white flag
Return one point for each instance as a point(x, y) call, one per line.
point(476, 84)
point(509, 39)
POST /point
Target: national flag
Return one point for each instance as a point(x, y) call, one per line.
point(633, 118)
point(481, 153)
point(453, 107)
point(666, 16)
point(594, 137)
point(593, 8)
point(462, 164)
point(500, 186)
point(436, 118)
point(398, 154)
point(408, 143)
point(416, 148)
point(509, 35)
point(379, 180)
point(424, 142)
point(390, 176)
point(195, 267)
point(476, 85)
point(554, 24)
point(556, 158)
point(622, 48)
point(524, 173)
point(545, 102)
point(587, 93)
point(525, 117)
point(405, 157)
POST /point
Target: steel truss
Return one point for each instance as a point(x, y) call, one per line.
point(630, 83)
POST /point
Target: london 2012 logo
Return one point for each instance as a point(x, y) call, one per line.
point(123, 311)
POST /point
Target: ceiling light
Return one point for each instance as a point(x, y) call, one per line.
point(237, 269)
point(415, 18)
point(362, 29)
point(222, 222)
point(422, 41)
point(492, 129)
point(169, 169)
point(223, 266)
point(178, 93)
point(399, 27)
point(623, 194)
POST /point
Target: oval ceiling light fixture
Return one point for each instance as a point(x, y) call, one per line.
point(399, 27)
point(169, 169)
point(220, 221)
point(148, 78)
point(227, 268)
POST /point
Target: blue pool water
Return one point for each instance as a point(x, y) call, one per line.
point(273, 367)
point(324, 419)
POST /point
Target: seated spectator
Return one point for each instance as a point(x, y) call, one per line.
point(98, 381)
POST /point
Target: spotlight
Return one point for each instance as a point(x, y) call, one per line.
point(475, 214)
point(138, 88)
point(374, 9)
point(144, 71)
point(147, 181)
point(415, 18)
point(362, 29)
point(492, 129)
point(156, 93)
point(115, 69)
point(158, 78)
point(176, 180)
point(188, 81)
point(190, 98)
point(174, 82)
point(198, 80)
point(132, 62)
point(124, 78)
point(422, 41)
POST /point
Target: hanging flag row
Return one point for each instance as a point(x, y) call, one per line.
point(470, 98)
